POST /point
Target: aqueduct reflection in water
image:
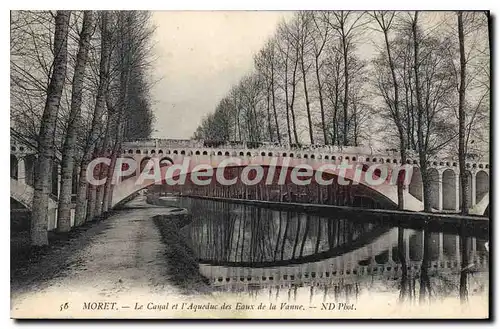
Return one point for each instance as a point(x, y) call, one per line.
point(246, 248)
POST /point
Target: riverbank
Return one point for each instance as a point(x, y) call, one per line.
point(110, 260)
point(182, 264)
point(453, 223)
point(38, 264)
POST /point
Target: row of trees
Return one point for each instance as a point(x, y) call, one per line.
point(80, 85)
point(416, 81)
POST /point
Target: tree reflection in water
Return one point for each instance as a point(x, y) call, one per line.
point(251, 249)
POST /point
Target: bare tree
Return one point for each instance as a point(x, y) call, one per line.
point(289, 61)
point(301, 36)
point(346, 24)
point(96, 126)
point(385, 22)
point(320, 35)
point(46, 150)
point(69, 148)
point(461, 119)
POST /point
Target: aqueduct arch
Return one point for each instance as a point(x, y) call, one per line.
point(416, 187)
point(482, 185)
point(435, 183)
point(449, 190)
point(129, 186)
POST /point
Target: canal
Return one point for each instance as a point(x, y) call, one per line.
point(254, 250)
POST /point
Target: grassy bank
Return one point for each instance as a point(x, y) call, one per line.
point(182, 263)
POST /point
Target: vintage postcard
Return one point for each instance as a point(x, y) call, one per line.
point(250, 164)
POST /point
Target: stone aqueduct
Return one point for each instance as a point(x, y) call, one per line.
point(444, 173)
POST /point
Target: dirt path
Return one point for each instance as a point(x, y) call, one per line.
point(122, 256)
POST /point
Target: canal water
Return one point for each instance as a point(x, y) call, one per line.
point(254, 250)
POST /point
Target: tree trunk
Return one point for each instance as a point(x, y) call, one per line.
point(81, 195)
point(422, 149)
point(274, 105)
point(102, 172)
point(287, 105)
point(464, 207)
point(69, 148)
point(306, 94)
point(294, 82)
point(321, 106)
point(46, 147)
point(397, 118)
point(99, 111)
point(268, 109)
point(108, 187)
point(345, 102)
point(335, 111)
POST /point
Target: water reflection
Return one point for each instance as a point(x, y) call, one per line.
point(249, 250)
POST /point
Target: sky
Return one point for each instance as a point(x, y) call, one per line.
point(199, 56)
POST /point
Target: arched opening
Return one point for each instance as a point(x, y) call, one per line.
point(153, 152)
point(183, 152)
point(312, 156)
point(249, 154)
point(305, 156)
point(160, 152)
point(143, 163)
point(197, 153)
point(382, 258)
point(291, 155)
point(284, 154)
point(415, 188)
point(242, 154)
point(263, 154)
point(326, 157)
point(29, 168)
point(13, 166)
point(482, 185)
point(205, 153)
point(175, 152)
point(219, 153)
point(434, 182)
point(226, 153)
point(449, 190)
point(270, 154)
point(130, 151)
point(137, 151)
point(166, 161)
